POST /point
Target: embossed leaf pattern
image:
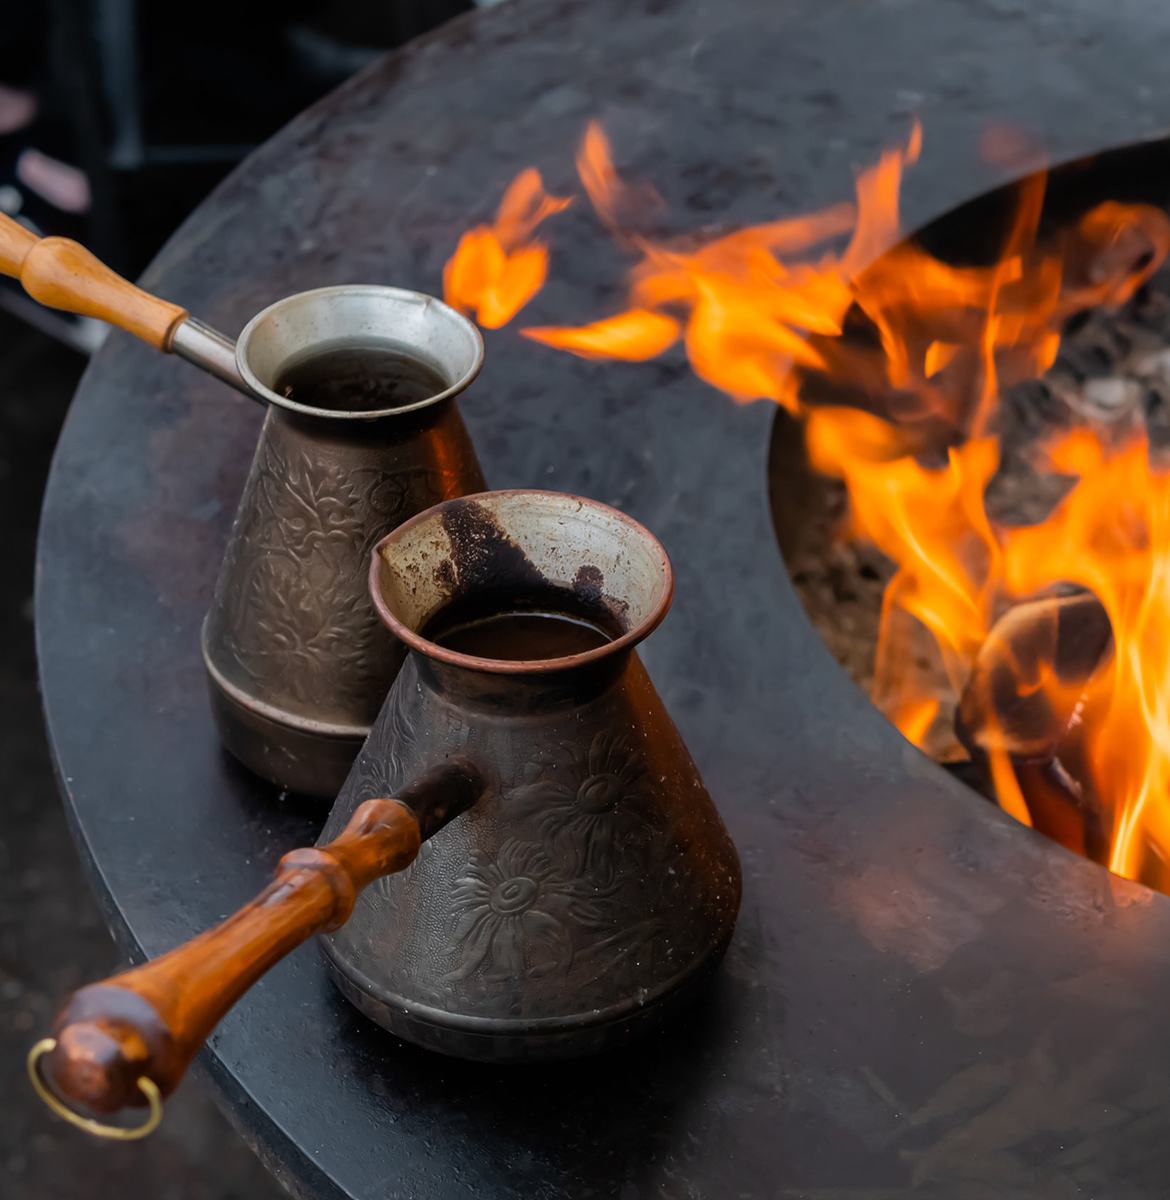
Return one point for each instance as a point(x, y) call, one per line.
point(303, 610)
point(303, 618)
point(379, 774)
point(378, 771)
point(514, 912)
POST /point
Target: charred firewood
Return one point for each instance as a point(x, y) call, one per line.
point(1027, 699)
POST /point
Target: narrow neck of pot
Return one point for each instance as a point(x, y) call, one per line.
point(521, 694)
point(387, 430)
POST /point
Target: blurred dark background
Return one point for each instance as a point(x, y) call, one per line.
point(116, 118)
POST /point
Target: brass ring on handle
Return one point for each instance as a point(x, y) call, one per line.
point(147, 1086)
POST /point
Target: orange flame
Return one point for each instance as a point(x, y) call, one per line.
point(747, 313)
point(1112, 535)
point(616, 203)
point(496, 269)
point(914, 353)
point(932, 523)
point(635, 335)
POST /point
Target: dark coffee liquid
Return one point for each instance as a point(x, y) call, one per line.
point(516, 636)
point(359, 379)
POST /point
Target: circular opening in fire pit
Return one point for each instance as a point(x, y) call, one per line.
point(974, 505)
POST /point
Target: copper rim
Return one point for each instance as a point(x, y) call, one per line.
point(528, 666)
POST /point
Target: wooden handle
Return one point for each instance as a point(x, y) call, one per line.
point(15, 243)
point(63, 274)
point(150, 1021)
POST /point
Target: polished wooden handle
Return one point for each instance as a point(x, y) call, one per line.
point(149, 1021)
point(15, 243)
point(63, 274)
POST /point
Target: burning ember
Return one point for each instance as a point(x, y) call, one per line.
point(1048, 644)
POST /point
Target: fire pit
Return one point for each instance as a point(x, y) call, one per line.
point(922, 998)
point(1054, 512)
point(1018, 524)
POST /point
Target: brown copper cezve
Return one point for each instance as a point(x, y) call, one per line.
point(594, 886)
point(297, 662)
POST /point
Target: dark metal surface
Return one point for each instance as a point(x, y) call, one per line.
point(51, 928)
point(922, 998)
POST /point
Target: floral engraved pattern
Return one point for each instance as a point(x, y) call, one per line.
point(379, 770)
point(515, 914)
point(379, 773)
point(586, 804)
point(301, 614)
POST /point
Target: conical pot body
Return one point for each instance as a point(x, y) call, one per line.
point(595, 886)
point(297, 659)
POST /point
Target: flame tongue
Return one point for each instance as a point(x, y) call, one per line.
point(498, 268)
point(921, 350)
point(951, 339)
point(1112, 535)
point(1031, 677)
point(745, 314)
point(932, 523)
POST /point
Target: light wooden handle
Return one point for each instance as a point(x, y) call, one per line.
point(15, 243)
point(150, 1021)
point(63, 274)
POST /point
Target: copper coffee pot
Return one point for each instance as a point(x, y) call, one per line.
point(585, 895)
point(297, 661)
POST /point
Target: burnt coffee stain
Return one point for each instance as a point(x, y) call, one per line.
point(444, 576)
point(484, 557)
point(589, 583)
point(589, 587)
point(494, 578)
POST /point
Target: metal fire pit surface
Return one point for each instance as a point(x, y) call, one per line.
point(923, 998)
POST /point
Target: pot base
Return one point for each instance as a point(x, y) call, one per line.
point(517, 1042)
point(283, 752)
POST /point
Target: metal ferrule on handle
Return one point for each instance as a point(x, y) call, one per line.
point(211, 351)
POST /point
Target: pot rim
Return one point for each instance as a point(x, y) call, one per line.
point(527, 666)
point(270, 397)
